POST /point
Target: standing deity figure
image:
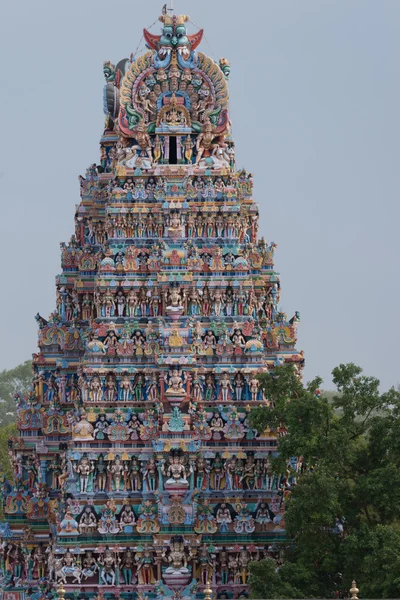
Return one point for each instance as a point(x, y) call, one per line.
point(223, 567)
point(152, 387)
point(217, 473)
point(40, 561)
point(115, 470)
point(202, 473)
point(111, 388)
point(56, 472)
point(121, 302)
point(150, 475)
point(254, 386)
point(96, 390)
point(125, 388)
point(226, 388)
point(83, 385)
point(138, 387)
point(193, 302)
point(239, 386)
point(108, 567)
point(132, 303)
point(207, 564)
point(197, 387)
point(101, 474)
point(134, 475)
point(230, 469)
point(243, 559)
point(145, 562)
point(84, 468)
point(210, 387)
point(127, 563)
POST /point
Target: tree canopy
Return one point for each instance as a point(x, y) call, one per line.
point(12, 381)
point(342, 513)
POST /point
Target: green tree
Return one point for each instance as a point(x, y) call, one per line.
point(5, 434)
point(342, 515)
point(13, 381)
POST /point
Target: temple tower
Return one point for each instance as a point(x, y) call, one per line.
point(136, 472)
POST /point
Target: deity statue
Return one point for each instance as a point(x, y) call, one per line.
point(206, 558)
point(127, 519)
point(264, 515)
point(150, 475)
point(135, 475)
point(226, 388)
point(88, 520)
point(127, 563)
point(116, 469)
point(223, 517)
point(40, 561)
point(85, 468)
point(176, 556)
point(254, 386)
point(145, 562)
point(89, 564)
point(239, 384)
point(205, 141)
point(96, 390)
point(175, 383)
point(108, 523)
point(108, 563)
point(176, 471)
point(101, 474)
point(174, 301)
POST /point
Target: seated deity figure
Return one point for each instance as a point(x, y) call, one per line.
point(223, 517)
point(176, 556)
point(176, 472)
point(175, 301)
point(88, 520)
point(83, 430)
point(89, 564)
point(127, 519)
point(175, 383)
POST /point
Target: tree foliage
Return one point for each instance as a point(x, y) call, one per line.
point(13, 381)
point(343, 514)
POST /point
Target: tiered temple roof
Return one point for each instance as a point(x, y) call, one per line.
point(136, 472)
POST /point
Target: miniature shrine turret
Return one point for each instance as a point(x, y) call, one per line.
point(136, 471)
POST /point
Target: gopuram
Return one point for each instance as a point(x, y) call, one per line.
point(135, 472)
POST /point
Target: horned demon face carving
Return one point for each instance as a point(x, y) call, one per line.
point(173, 37)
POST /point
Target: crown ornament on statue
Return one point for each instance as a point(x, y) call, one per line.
point(174, 20)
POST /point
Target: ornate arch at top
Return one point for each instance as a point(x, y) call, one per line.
point(131, 114)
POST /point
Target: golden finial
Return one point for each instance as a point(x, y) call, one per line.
point(354, 591)
point(208, 591)
point(61, 592)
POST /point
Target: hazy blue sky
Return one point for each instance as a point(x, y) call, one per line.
point(315, 97)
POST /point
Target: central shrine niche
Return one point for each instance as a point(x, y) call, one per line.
point(136, 472)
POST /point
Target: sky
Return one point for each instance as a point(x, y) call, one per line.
point(315, 96)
